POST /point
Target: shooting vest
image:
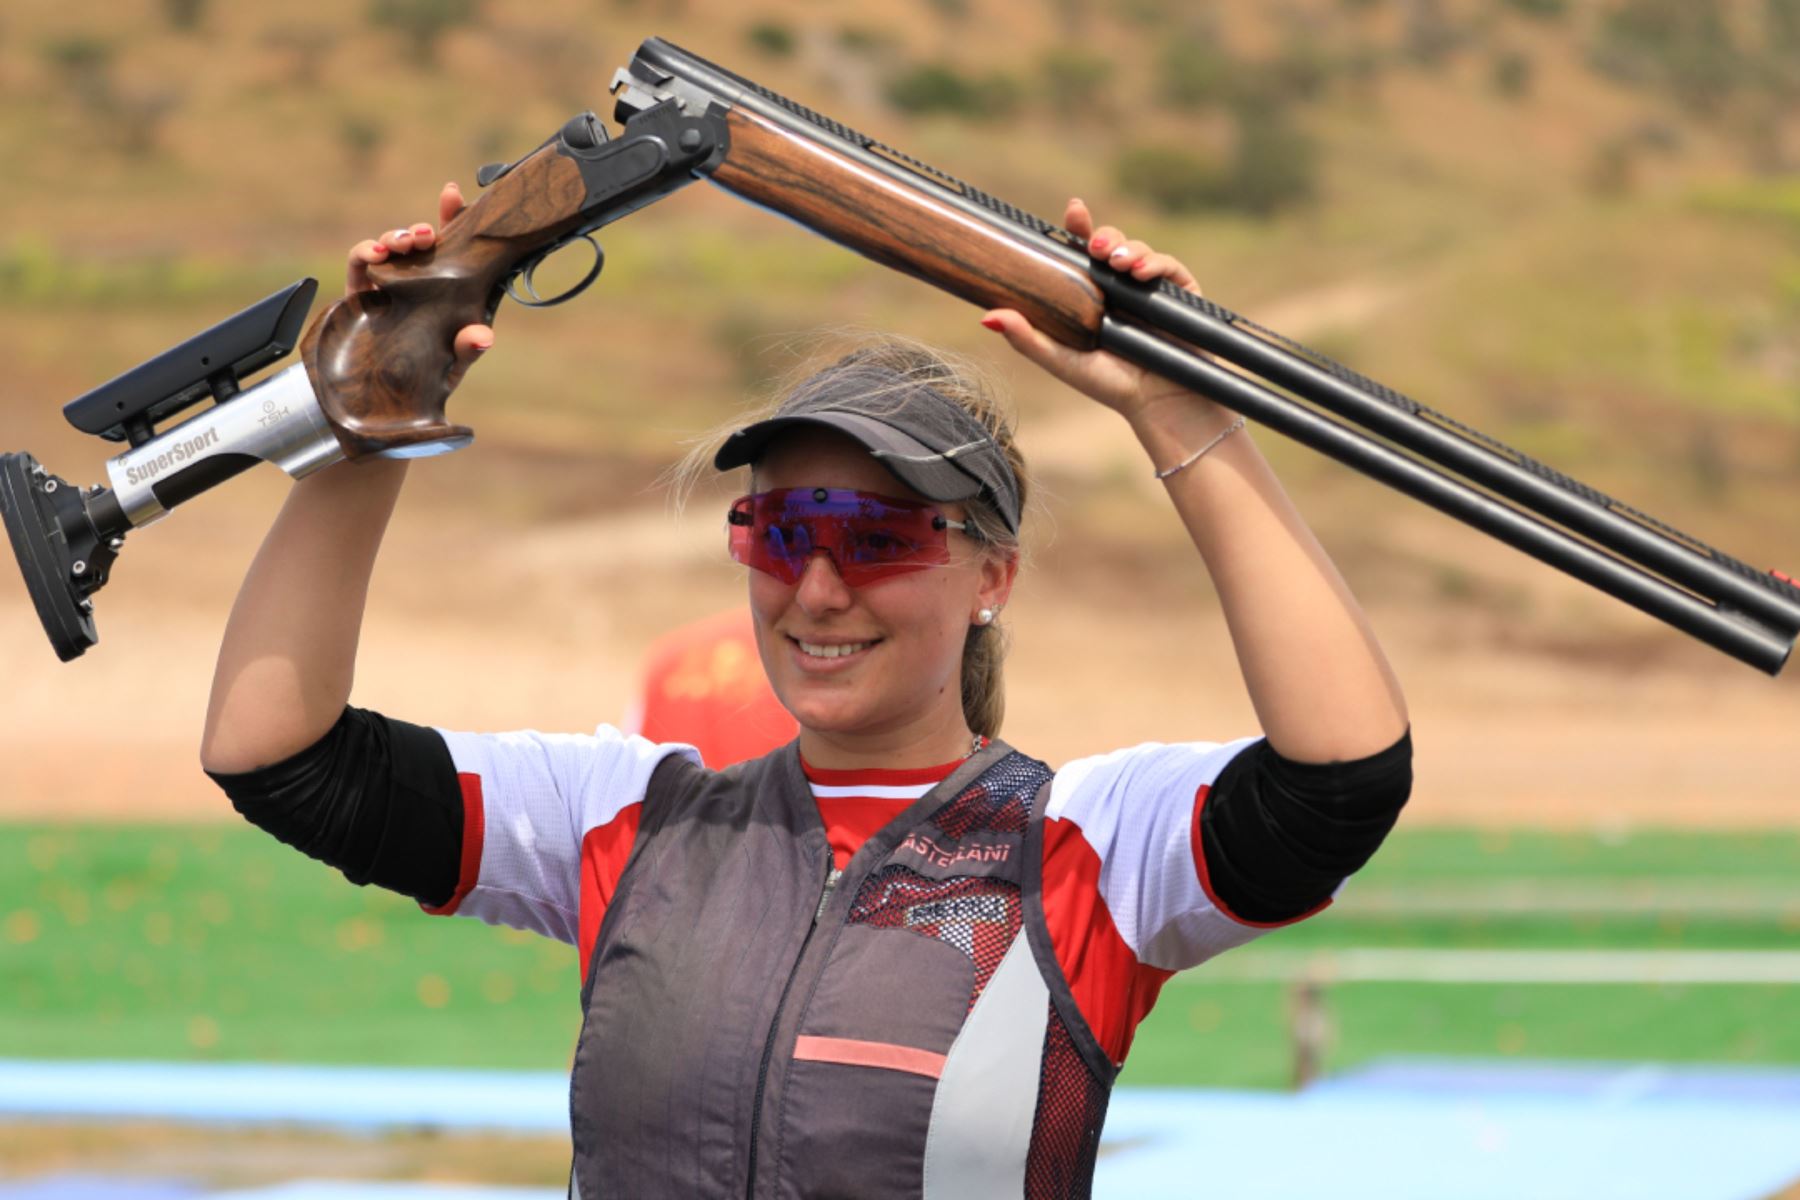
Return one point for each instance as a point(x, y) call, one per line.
point(755, 1027)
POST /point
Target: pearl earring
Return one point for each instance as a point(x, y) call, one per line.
point(984, 617)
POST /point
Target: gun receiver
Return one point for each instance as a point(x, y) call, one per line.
point(374, 366)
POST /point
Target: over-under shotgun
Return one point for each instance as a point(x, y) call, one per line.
point(373, 366)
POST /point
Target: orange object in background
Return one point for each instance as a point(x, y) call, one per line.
point(704, 684)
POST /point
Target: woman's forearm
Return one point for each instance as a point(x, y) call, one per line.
point(1322, 688)
point(289, 653)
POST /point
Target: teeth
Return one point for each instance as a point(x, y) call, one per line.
point(818, 651)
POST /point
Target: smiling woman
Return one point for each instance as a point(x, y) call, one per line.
point(896, 957)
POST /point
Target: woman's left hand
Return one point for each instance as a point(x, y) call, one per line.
point(1122, 386)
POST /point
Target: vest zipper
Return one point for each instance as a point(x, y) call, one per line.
point(832, 875)
point(831, 881)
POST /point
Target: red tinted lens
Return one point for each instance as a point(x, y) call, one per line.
point(868, 537)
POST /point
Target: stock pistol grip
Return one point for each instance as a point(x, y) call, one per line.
point(380, 366)
point(380, 360)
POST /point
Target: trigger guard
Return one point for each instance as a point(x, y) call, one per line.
point(529, 270)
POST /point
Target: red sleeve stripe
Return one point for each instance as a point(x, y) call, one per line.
point(605, 849)
point(1206, 883)
point(474, 830)
point(1113, 990)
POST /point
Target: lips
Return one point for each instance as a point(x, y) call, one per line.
point(831, 650)
point(822, 654)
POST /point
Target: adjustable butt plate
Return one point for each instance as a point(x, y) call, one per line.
point(28, 503)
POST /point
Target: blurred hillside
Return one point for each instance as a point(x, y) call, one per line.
point(1563, 219)
point(1574, 224)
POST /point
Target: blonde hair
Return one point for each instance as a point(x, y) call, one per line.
point(912, 364)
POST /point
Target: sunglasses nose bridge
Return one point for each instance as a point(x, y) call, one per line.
point(821, 577)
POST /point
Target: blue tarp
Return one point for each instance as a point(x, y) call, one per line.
point(1430, 1130)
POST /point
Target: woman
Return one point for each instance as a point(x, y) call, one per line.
point(897, 957)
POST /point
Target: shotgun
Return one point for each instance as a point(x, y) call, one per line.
point(372, 369)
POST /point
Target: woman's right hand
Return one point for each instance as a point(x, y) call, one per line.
point(471, 340)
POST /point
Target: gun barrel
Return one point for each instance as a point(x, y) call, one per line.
point(1520, 479)
point(1743, 638)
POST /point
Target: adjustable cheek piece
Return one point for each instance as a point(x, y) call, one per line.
point(868, 537)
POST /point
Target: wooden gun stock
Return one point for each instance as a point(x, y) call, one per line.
point(908, 229)
point(380, 360)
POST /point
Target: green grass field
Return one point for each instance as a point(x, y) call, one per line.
point(214, 942)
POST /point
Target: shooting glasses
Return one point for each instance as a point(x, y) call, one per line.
point(868, 537)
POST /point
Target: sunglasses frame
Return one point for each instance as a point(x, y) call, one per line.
point(742, 546)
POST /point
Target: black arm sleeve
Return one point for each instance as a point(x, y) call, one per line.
point(1279, 835)
point(376, 798)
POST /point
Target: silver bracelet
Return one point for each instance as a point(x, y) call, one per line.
point(1203, 451)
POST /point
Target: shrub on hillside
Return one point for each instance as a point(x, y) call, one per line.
point(85, 64)
point(306, 47)
point(1173, 178)
point(1612, 169)
point(1546, 9)
point(866, 39)
point(1781, 44)
point(1273, 166)
point(361, 138)
point(1195, 73)
point(1511, 73)
point(1432, 34)
point(422, 23)
point(941, 88)
point(184, 15)
point(1075, 79)
point(771, 37)
point(1682, 47)
point(1302, 69)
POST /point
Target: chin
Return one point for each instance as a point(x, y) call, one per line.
point(826, 714)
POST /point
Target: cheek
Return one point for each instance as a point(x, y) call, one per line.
point(929, 606)
point(769, 600)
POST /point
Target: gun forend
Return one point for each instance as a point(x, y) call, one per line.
point(863, 195)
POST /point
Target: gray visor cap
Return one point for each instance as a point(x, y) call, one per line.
point(928, 442)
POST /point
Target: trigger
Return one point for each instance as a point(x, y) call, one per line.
point(525, 274)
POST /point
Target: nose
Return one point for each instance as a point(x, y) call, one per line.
point(821, 588)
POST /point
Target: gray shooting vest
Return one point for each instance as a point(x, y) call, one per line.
point(754, 1027)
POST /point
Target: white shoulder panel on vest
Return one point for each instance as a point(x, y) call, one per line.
point(986, 1098)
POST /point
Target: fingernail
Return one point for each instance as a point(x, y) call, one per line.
point(994, 323)
point(1099, 245)
point(1078, 200)
point(1121, 252)
point(480, 346)
point(378, 248)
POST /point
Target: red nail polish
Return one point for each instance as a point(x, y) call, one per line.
point(994, 323)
